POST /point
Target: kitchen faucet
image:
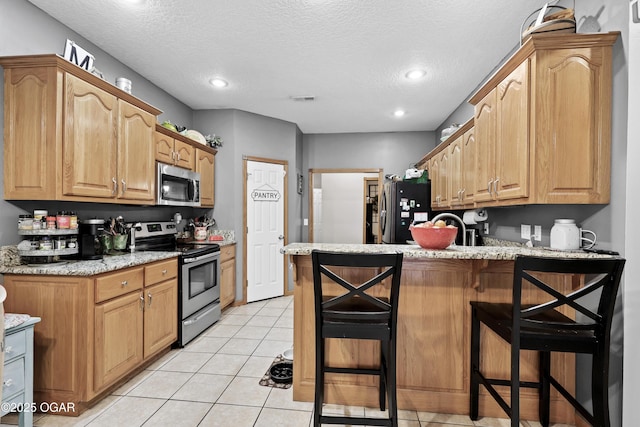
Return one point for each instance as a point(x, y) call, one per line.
point(457, 218)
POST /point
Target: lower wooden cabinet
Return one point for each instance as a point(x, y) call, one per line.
point(95, 330)
point(227, 275)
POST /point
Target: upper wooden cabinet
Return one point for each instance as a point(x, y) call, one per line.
point(173, 151)
point(70, 135)
point(541, 131)
point(205, 165)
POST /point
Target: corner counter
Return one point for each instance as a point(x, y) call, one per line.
point(433, 330)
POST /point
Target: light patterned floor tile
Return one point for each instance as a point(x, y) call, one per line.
point(162, 360)
point(280, 334)
point(262, 321)
point(179, 414)
point(270, 417)
point(252, 332)
point(222, 331)
point(206, 344)
point(235, 319)
point(186, 362)
point(248, 309)
point(224, 364)
point(128, 411)
point(495, 422)
point(203, 388)
point(280, 302)
point(282, 398)
point(132, 383)
point(161, 384)
point(231, 415)
point(243, 391)
point(256, 366)
point(430, 417)
point(242, 346)
point(271, 348)
point(284, 322)
point(271, 311)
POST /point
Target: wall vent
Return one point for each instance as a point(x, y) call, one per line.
point(304, 98)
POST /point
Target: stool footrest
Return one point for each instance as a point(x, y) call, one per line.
point(355, 421)
point(360, 371)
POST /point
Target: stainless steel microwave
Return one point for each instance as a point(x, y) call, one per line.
point(177, 186)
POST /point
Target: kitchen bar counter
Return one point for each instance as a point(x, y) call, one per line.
point(89, 268)
point(433, 330)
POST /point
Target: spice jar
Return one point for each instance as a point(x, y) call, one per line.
point(62, 219)
point(40, 214)
point(51, 222)
point(25, 222)
point(46, 244)
point(72, 242)
point(60, 243)
point(73, 220)
point(37, 224)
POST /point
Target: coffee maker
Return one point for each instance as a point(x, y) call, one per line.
point(89, 246)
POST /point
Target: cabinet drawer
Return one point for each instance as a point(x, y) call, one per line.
point(13, 378)
point(119, 283)
point(15, 345)
point(160, 271)
point(227, 252)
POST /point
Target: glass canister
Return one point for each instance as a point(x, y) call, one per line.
point(60, 243)
point(25, 222)
point(565, 235)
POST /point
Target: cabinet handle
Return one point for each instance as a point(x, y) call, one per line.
point(124, 186)
point(489, 186)
point(164, 271)
point(462, 193)
point(142, 302)
point(177, 157)
point(124, 283)
point(8, 382)
point(495, 186)
point(8, 350)
point(150, 298)
point(173, 156)
point(115, 186)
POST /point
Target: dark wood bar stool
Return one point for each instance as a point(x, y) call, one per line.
point(353, 312)
point(543, 328)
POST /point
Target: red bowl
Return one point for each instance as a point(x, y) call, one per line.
point(434, 237)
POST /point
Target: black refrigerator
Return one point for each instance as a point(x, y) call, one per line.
point(402, 203)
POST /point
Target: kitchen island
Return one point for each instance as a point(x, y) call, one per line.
point(433, 331)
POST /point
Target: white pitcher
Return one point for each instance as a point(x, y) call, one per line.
point(565, 235)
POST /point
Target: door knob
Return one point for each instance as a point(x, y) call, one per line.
point(281, 237)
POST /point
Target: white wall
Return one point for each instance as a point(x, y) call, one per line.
point(631, 290)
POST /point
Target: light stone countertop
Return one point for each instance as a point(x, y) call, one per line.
point(452, 252)
point(89, 268)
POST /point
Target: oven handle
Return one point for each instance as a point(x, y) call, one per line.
point(201, 257)
point(194, 320)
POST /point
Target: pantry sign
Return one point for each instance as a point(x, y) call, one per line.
point(265, 193)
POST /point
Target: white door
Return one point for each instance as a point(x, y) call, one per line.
point(265, 230)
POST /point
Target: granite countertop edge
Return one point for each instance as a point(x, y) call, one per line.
point(90, 268)
point(452, 252)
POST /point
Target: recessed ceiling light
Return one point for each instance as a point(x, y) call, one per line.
point(218, 82)
point(415, 74)
point(399, 113)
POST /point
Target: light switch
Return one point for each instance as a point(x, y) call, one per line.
point(305, 221)
point(525, 231)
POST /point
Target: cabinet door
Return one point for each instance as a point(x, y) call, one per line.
point(485, 136)
point(136, 165)
point(185, 155)
point(443, 179)
point(227, 282)
point(455, 172)
point(434, 175)
point(206, 166)
point(468, 167)
point(160, 316)
point(512, 141)
point(89, 152)
point(118, 338)
point(31, 132)
point(164, 148)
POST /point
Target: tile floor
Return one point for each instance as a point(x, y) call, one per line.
point(213, 381)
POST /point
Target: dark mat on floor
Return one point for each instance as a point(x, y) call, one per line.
point(280, 372)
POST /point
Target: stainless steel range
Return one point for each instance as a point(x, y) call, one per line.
point(199, 276)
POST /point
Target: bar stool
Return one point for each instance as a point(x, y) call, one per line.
point(351, 311)
point(543, 328)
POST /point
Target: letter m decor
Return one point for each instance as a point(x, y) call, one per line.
point(265, 193)
point(77, 55)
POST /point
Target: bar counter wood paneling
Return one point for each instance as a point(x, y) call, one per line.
point(433, 340)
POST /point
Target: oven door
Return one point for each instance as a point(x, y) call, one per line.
point(200, 282)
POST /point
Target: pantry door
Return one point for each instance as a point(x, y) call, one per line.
point(265, 197)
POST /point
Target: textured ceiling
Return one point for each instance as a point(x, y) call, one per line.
point(351, 55)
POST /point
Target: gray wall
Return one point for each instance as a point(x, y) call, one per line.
point(26, 30)
point(394, 152)
point(253, 135)
point(608, 221)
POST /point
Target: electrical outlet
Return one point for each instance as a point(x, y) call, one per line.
point(537, 233)
point(486, 228)
point(525, 231)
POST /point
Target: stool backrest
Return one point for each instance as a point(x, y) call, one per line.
point(598, 275)
point(388, 265)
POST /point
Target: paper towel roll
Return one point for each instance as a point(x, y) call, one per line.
point(474, 216)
